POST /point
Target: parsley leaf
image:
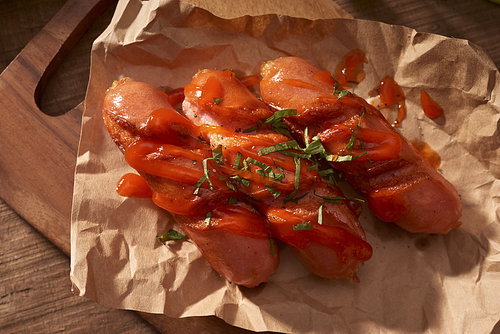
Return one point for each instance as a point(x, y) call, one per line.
point(208, 218)
point(302, 226)
point(170, 235)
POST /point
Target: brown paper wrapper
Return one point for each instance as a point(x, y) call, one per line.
point(413, 283)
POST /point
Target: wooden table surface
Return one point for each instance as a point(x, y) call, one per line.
point(35, 295)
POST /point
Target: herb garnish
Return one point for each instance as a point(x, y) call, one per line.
point(273, 247)
point(218, 158)
point(208, 218)
point(302, 226)
point(170, 235)
point(341, 92)
point(275, 122)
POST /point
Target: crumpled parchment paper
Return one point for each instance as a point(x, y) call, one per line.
point(413, 283)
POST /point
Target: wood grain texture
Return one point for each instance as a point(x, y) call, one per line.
point(34, 284)
point(477, 21)
point(35, 290)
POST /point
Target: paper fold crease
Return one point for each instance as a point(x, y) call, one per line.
point(413, 283)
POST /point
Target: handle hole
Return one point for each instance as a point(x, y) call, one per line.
point(67, 87)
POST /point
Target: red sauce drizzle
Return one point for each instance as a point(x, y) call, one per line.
point(428, 153)
point(390, 94)
point(250, 80)
point(387, 204)
point(175, 96)
point(150, 157)
point(350, 68)
point(186, 206)
point(430, 107)
point(299, 84)
point(239, 220)
point(378, 145)
point(346, 245)
point(170, 127)
point(133, 185)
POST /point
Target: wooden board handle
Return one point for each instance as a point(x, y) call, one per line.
point(48, 49)
point(38, 154)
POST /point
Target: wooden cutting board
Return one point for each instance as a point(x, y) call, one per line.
point(38, 152)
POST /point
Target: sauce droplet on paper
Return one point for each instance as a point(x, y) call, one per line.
point(428, 153)
point(390, 93)
point(430, 107)
point(133, 185)
point(350, 68)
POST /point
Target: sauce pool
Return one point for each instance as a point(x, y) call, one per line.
point(390, 94)
point(429, 106)
point(350, 68)
point(133, 185)
point(428, 153)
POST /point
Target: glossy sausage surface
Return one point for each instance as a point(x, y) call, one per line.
point(163, 146)
point(332, 247)
point(401, 186)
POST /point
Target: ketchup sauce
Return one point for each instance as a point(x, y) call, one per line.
point(350, 68)
point(390, 94)
point(430, 107)
point(133, 185)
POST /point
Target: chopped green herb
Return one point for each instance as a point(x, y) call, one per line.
point(232, 200)
point(267, 169)
point(297, 177)
point(274, 192)
point(281, 128)
point(207, 173)
point(275, 121)
point(273, 247)
point(326, 172)
point(315, 147)
point(277, 176)
point(217, 154)
point(198, 184)
point(302, 226)
point(228, 183)
point(292, 144)
point(350, 143)
point(360, 117)
point(253, 128)
point(329, 174)
point(336, 199)
point(208, 218)
point(238, 178)
point(278, 115)
point(257, 95)
point(237, 162)
point(296, 199)
point(320, 214)
point(341, 92)
point(342, 158)
point(313, 167)
point(306, 136)
point(170, 235)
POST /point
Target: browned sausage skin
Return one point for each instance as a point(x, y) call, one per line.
point(401, 186)
point(332, 247)
point(162, 146)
